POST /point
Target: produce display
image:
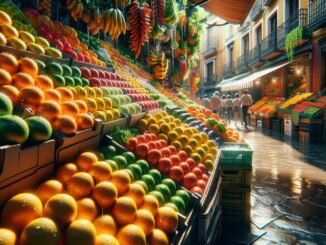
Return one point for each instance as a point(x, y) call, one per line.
point(266, 107)
point(287, 105)
point(309, 109)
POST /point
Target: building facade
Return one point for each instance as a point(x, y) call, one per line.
point(278, 50)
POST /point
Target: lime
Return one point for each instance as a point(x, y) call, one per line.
point(156, 175)
point(129, 156)
point(144, 166)
point(136, 170)
point(143, 184)
point(149, 181)
point(172, 205)
point(171, 184)
point(113, 165)
point(121, 161)
point(130, 173)
point(178, 201)
point(109, 151)
point(164, 190)
point(184, 195)
point(159, 197)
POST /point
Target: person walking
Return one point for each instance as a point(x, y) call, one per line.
point(215, 103)
point(205, 101)
point(228, 106)
point(236, 108)
point(223, 108)
point(246, 101)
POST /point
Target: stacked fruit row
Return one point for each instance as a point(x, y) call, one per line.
point(145, 101)
point(95, 202)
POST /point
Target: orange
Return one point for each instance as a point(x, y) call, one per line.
point(124, 210)
point(105, 193)
point(90, 92)
point(52, 94)
point(201, 152)
point(65, 124)
point(172, 135)
point(137, 193)
point(61, 208)
point(66, 94)
point(166, 219)
point(87, 209)
point(131, 235)
point(82, 106)
point(5, 18)
point(5, 77)
point(165, 128)
point(158, 237)
point(121, 180)
point(50, 110)
point(11, 91)
point(91, 105)
point(20, 210)
point(28, 66)
point(98, 92)
point(106, 240)
point(22, 80)
point(80, 185)
point(100, 104)
point(153, 129)
point(66, 171)
point(81, 93)
point(101, 171)
point(105, 224)
point(8, 237)
point(108, 103)
point(151, 204)
point(40, 231)
point(85, 161)
point(31, 97)
point(8, 62)
point(48, 189)
point(43, 82)
point(70, 108)
point(145, 220)
point(80, 232)
point(84, 121)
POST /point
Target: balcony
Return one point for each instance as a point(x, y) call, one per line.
point(268, 3)
point(211, 80)
point(242, 64)
point(209, 51)
point(254, 59)
point(316, 14)
point(269, 48)
point(229, 69)
point(298, 19)
point(257, 10)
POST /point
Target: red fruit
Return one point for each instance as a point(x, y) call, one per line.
point(94, 73)
point(80, 57)
point(185, 167)
point(205, 177)
point(58, 43)
point(197, 171)
point(153, 137)
point(71, 53)
point(197, 190)
point(101, 74)
point(189, 180)
point(87, 59)
point(107, 75)
point(175, 159)
point(201, 184)
point(86, 73)
point(176, 173)
point(158, 144)
point(148, 137)
point(95, 82)
point(141, 139)
point(142, 150)
point(164, 165)
point(131, 144)
point(173, 150)
point(191, 163)
point(183, 156)
point(163, 143)
point(202, 167)
point(153, 156)
point(166, 152)
point(152, 145)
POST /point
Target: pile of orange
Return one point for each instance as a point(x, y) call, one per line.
point(83, 205)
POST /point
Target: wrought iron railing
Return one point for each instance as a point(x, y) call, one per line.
point(317, 13)
point(229, 69)
point(269, 44)
point(254, 56)
point(257, 10)
point(242, 64)
point(211, 79)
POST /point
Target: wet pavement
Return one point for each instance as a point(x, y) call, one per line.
point(288, 194)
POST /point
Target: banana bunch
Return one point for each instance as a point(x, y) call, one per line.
point(160, 70)
point(156, 59)
point(158, 31)
point(76, 8)
point(113, 21)
point(94, 24)
point(171, 12)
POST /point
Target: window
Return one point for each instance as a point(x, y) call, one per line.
point(245, 44)
point(209, 69)
point(230, 53)
point(211, 37)
point(273, 24)
point(258, 35)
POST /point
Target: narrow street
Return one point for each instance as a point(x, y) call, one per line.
point(288, 193)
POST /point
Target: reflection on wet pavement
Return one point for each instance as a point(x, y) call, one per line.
point(288, 194)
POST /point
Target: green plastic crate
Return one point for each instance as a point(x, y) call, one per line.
point(235, 155)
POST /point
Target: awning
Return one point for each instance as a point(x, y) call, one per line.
point(247, 82)
point(232, 79)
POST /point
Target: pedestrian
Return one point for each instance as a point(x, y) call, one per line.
point(205, 101)
point(215, 103)
point(236, 108)
point(223, 108)
point(246, 101)
point(228, 106)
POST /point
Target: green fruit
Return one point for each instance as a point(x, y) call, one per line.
point(78, 81)
point(85, 82)
point(109, 151)
point(144, 166)
point(121, 161)
point(54, 68)
point(136, 170)
point(171, 184)
point(70, 81)
point(159, 196)
point(143, 184)
point(130, 173)
point(66, 70)
point(41, 66)
point(129, 156)
point(156, 175)
point(5, 105)
point(172, 205)
point(75, 71)
point(58, 81)
point(149, 181)
point(39, 129)
point(13, 130)
point(178, 201)
point(165, 191)
point(113, 165)
point(184, 195)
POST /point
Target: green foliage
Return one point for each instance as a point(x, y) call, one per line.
point(291, 41)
